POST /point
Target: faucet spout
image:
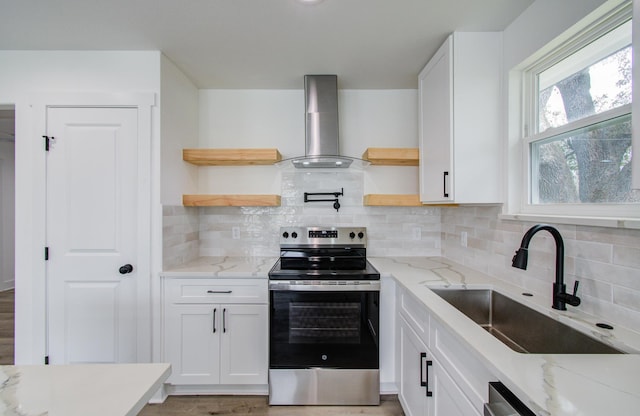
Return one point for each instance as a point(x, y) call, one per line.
point(560, 297)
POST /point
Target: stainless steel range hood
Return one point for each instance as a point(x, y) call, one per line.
point(321, 125)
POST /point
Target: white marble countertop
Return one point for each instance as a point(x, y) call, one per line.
point(231, 267)
point(79, 390)
point(549, 384)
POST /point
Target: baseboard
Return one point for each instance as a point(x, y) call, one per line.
point(186, 390)
point(388, 388)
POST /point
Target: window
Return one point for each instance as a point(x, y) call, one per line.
point(578, 124)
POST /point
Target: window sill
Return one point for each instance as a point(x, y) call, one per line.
point(622, 223)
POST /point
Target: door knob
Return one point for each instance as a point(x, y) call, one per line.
point(127, 268)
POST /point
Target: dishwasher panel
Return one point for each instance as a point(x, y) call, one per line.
point(504, 403)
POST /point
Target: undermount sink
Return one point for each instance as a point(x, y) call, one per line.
point(519, 327)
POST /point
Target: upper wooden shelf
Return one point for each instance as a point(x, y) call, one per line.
point(392, 156)
point(218, 200)
point(231, 157)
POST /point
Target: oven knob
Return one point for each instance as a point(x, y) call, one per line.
point(360, 235)
point(285, 234)
point(294, 234)
point(324, 357)
point(352, 235)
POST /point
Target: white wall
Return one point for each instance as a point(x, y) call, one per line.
point(542, 22)
point(179, 127)
point(23, 75)
point(275, 118)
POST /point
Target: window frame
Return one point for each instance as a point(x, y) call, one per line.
point(529, 122)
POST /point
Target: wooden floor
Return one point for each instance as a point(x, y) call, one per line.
point(257, 406)
point(6, 327)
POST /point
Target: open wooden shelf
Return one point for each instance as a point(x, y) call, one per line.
point(392, 156)
point(398, 200)
point(216, 200)
point(231, 157)
point(391, 200)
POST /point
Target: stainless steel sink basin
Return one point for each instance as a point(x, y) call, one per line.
point(520, 327)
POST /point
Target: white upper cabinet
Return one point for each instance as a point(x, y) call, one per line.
point(459, 127)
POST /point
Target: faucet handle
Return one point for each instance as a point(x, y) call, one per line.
point(575, 287)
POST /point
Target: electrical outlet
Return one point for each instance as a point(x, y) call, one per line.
point(463, 239)
point(235, 233)
point(417, 233)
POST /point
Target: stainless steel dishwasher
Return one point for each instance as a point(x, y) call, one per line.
point(504, 403)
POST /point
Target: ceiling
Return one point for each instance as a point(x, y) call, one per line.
point(369, 44)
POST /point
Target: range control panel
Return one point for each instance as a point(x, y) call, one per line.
point(323, 236)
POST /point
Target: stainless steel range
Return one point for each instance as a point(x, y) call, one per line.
point(324, 318)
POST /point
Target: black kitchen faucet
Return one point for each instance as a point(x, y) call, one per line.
point(560, 297)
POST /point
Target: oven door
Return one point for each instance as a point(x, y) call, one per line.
point(324, 326)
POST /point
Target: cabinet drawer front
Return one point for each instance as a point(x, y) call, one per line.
point(415, 314)
point(471, 376)
point(216, 291)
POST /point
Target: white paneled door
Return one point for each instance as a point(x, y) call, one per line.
point(91, 234)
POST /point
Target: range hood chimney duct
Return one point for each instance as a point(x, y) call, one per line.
point(321, 124)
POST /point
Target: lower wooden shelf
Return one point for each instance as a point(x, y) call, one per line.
point(216, 200)
point(392, 200)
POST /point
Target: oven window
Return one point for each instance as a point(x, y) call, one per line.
point(336, 329)
point(324, 322)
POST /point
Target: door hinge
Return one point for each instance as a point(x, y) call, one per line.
point(46, 360)
point(46, 253)
point(47, 142)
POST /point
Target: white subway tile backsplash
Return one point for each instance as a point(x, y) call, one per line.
point(627, 256)
point(180, 235)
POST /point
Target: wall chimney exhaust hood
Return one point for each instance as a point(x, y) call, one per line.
point(321, 126)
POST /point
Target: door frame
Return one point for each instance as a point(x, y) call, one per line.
point(31, 336)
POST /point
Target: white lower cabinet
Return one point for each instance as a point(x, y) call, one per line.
point(211, 343)
point(425, 387)
point(412, 357)
point(435, 384)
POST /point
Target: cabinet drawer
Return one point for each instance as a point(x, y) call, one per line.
point(216, 291)
point(469, 374)
point(415, 314)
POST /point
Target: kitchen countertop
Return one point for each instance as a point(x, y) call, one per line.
point(549, 384)
point(79, 389)
point(230, 267)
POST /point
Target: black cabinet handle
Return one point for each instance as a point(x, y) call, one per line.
point(127, 268)
point(214, 320)
point(220, 291)
point(444, 184)
point(429, 393)
point(224, 320)
point(423, 356)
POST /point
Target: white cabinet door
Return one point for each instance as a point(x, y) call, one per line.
point(447, 399)
point(192, 343)
point(435, 89)
point(91, 231)
point(459, 128)
point(244, 357)
point(412, 363)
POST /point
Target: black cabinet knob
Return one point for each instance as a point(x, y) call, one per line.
point(127, 268)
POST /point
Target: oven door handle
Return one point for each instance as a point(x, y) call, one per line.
point(366, 286)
